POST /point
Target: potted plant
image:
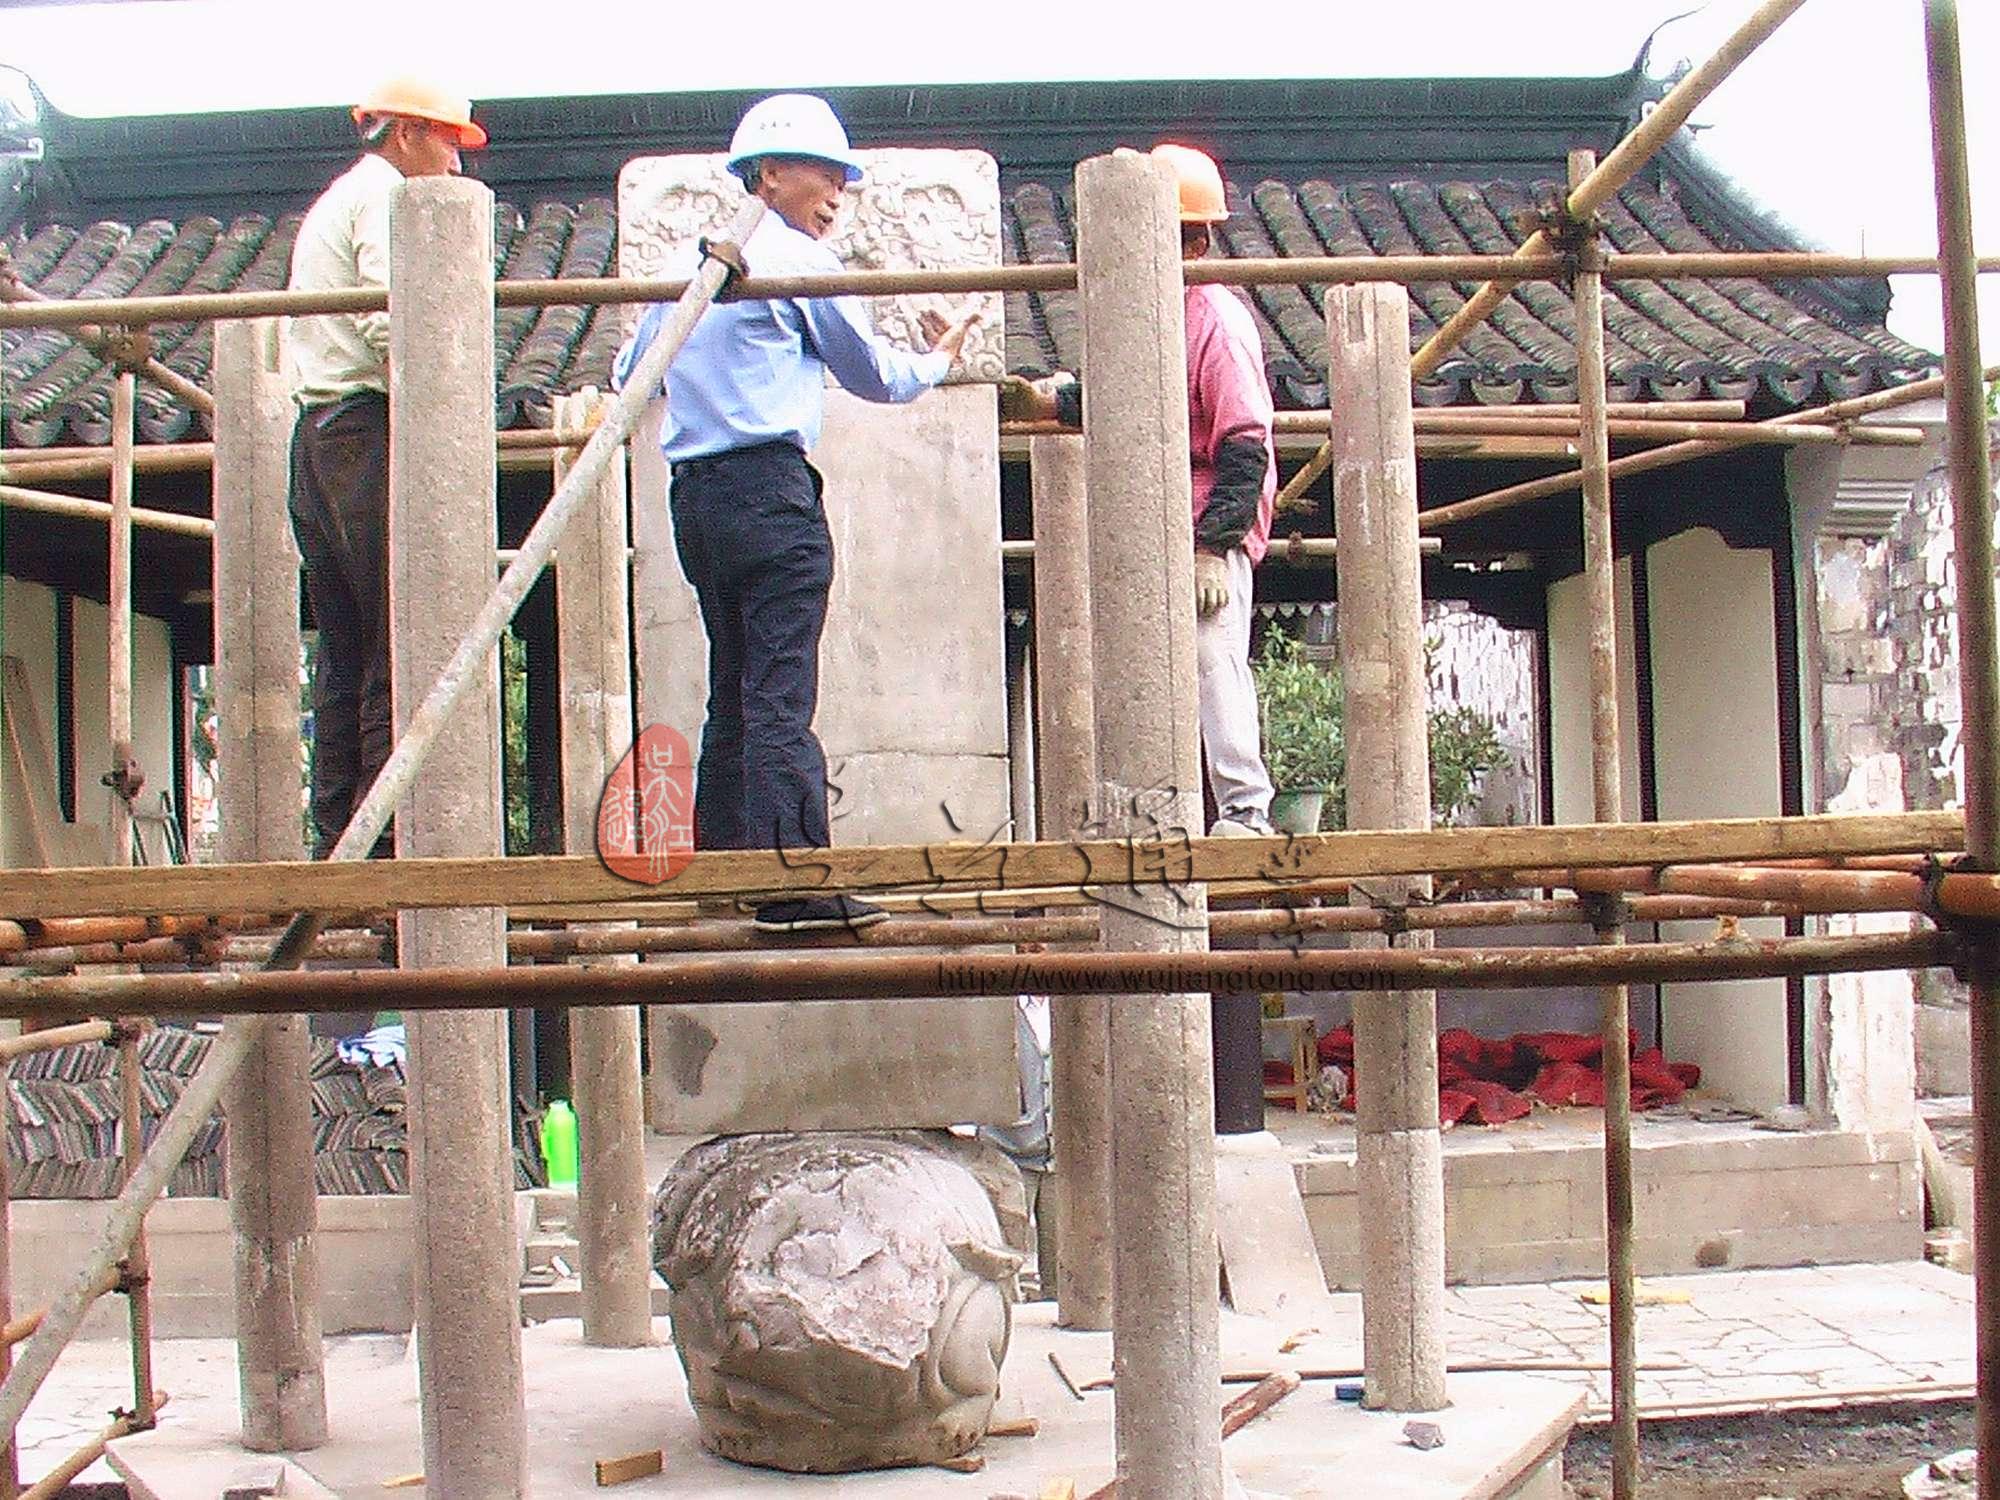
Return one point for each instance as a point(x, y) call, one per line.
point(1300, 704)
point(1305, 749)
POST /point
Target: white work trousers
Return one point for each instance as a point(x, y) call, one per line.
point(1228, 702)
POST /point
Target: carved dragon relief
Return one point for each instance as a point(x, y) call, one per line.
point(917, 210)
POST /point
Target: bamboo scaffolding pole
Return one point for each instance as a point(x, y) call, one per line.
point(1294, 551)
point(1774, 265)
point(198, 932)
point(16, 293)
point(10, 1459)
point(1703, 410)
point(1585, 198)
point(516, 448)
point(136, 1278)
point(1103, 865)
point(1453, 421)
point(742, 937)
point(17, 1329)
point(42, 465)
point(588, 291)
point(14, 497)
point(1967, 896)
point(199, 1099)
point(1600, 562)
point(783, 978)
point(118, 625)
point(1966, 438)
point(1678, 453)
point(52, 1037)
point(1606, 178)
point(56, 1481)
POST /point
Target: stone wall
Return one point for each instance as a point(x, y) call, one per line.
point(1889, 664)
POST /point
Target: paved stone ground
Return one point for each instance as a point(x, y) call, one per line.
point(1750, 1339)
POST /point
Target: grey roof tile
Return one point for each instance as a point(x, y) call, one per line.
point(1792, 342)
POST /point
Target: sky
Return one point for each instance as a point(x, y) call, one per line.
point(1827, 124)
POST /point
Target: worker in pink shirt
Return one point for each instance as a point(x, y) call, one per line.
point(1235, 471)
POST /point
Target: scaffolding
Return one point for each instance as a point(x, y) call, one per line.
point(1137, 1219)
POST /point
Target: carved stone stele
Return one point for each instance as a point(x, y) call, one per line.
point(917, 210)
point(840, 1302)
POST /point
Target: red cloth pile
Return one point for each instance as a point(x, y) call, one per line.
point(1484, 1082)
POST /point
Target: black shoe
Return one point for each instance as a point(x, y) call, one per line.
point(817, 914)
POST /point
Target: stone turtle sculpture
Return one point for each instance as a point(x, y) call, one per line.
point(840, 1301)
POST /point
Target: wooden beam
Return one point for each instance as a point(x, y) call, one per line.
point(1166, 858)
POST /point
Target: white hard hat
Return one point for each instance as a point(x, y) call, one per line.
point(792, 125)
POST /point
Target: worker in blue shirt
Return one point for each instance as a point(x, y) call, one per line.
point(745, 398)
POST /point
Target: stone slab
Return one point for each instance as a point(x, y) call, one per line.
point(827, 1065)
point(1268, 1255)
point(912, 709)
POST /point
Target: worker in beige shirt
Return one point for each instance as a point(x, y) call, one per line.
point(340, 445)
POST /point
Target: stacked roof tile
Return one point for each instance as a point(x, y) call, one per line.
point(1791, 344)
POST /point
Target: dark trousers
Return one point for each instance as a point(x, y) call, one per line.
point(753, 541)
point(340, 516)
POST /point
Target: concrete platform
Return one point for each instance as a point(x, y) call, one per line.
point(1504, 1433)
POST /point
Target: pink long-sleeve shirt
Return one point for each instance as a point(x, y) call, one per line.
point(1227, 398)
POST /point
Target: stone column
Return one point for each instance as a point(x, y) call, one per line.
point(1164, 1272)
point(594, 651)
point(1066, 781)
point(273, 1204)
point(441, 537)
point(1400, 1163)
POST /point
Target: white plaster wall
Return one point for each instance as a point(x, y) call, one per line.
point(1569, 699)
point(1715, 755)
point(29, 623)
point(27, 633)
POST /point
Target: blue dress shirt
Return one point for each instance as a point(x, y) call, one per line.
point(755, 372)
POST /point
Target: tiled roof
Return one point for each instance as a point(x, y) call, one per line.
point(1673, 340)
point(1789, 343)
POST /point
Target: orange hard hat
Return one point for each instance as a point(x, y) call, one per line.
point(419, 99)
point(1199, 181)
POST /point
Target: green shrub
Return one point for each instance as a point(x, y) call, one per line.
point(1303, 704)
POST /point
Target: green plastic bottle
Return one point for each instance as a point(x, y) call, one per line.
point(559, 1143)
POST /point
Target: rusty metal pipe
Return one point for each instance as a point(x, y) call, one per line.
point(765, 978)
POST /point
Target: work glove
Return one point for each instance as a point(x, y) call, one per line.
point(1211, 583)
